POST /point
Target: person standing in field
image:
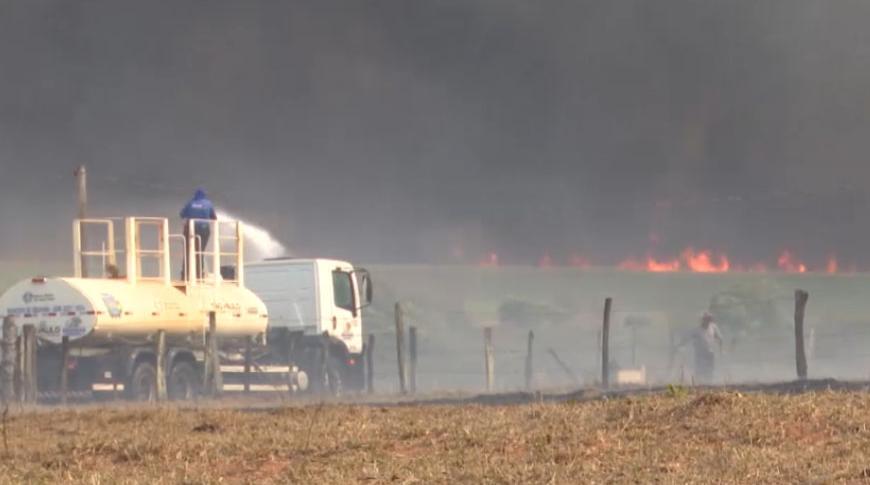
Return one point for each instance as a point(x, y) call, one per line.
point(201, 209)
point(705, 339)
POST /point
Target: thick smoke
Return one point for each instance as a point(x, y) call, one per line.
point(398, 131)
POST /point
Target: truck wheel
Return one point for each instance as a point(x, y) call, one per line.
point(142, 382)
point(298, 380)
point(183, 382)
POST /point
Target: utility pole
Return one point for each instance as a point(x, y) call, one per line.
point(82, 179)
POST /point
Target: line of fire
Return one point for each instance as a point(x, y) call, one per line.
point(689, 260)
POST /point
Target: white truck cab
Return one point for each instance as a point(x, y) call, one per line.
point(314, 297)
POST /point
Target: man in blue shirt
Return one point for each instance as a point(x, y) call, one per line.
point(201, 209)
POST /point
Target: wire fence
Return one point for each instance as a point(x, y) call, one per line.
point(570, 356)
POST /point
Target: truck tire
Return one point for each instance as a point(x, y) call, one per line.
point(142, 382)
point(183, 382)
point(298, 380)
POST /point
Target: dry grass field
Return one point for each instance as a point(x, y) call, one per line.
point(676, 437)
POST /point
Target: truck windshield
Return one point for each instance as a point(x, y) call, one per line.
point(342, 287)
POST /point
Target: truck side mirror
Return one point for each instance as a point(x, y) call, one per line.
point(369, 289)
point(365, 283)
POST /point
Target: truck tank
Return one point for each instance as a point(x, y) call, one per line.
point(111, 308)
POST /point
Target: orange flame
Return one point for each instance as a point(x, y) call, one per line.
point(789, 264)
point(650, 264)
point(691, 260)
point(702, 261)
point(698, 262)
point(662, 266)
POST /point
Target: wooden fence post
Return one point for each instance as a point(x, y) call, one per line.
point(370, 365)
point(34, 366)
point(324, 361)
point(206, 364)
point(7, 366)
point(19, 366)
point(529, 368)
point(489, 364)
point(412, 350)
point(400, 346)
point(247, 376)
point(217, 377)
point(605, 345)
point(213, 378)
point(160, 374)
point(28, 374)
point(64, 370)
point(800, 303)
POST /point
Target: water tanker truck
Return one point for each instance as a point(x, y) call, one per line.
point(124, 291)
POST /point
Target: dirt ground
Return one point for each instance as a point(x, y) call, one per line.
point(673, 437)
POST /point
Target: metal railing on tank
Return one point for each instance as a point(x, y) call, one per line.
point(150, 259)
point(83, 253)
point(214, 261)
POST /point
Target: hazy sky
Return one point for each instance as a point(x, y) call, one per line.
point(399, 131)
